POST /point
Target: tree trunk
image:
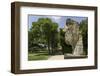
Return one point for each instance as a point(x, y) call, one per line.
point(48, 42)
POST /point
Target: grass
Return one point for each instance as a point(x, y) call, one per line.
point(38, 56)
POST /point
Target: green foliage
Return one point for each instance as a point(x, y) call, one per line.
point(84, 32)
point(38, 56)
point(65, 47)
point(44, 32)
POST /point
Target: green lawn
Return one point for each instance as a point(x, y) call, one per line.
point(38, 56)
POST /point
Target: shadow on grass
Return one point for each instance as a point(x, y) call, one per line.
point(38, 56)
point(41, 54)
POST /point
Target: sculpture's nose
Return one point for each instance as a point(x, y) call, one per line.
point(65, 28)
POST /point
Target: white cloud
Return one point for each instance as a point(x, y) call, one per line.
point(56, 17)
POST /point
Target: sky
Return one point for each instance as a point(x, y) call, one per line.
point(61, 20)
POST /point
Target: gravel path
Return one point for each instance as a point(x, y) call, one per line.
point(57, 57)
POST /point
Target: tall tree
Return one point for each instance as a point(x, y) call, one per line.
point(84, 32)
point(45, 31)
point(54, 37)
